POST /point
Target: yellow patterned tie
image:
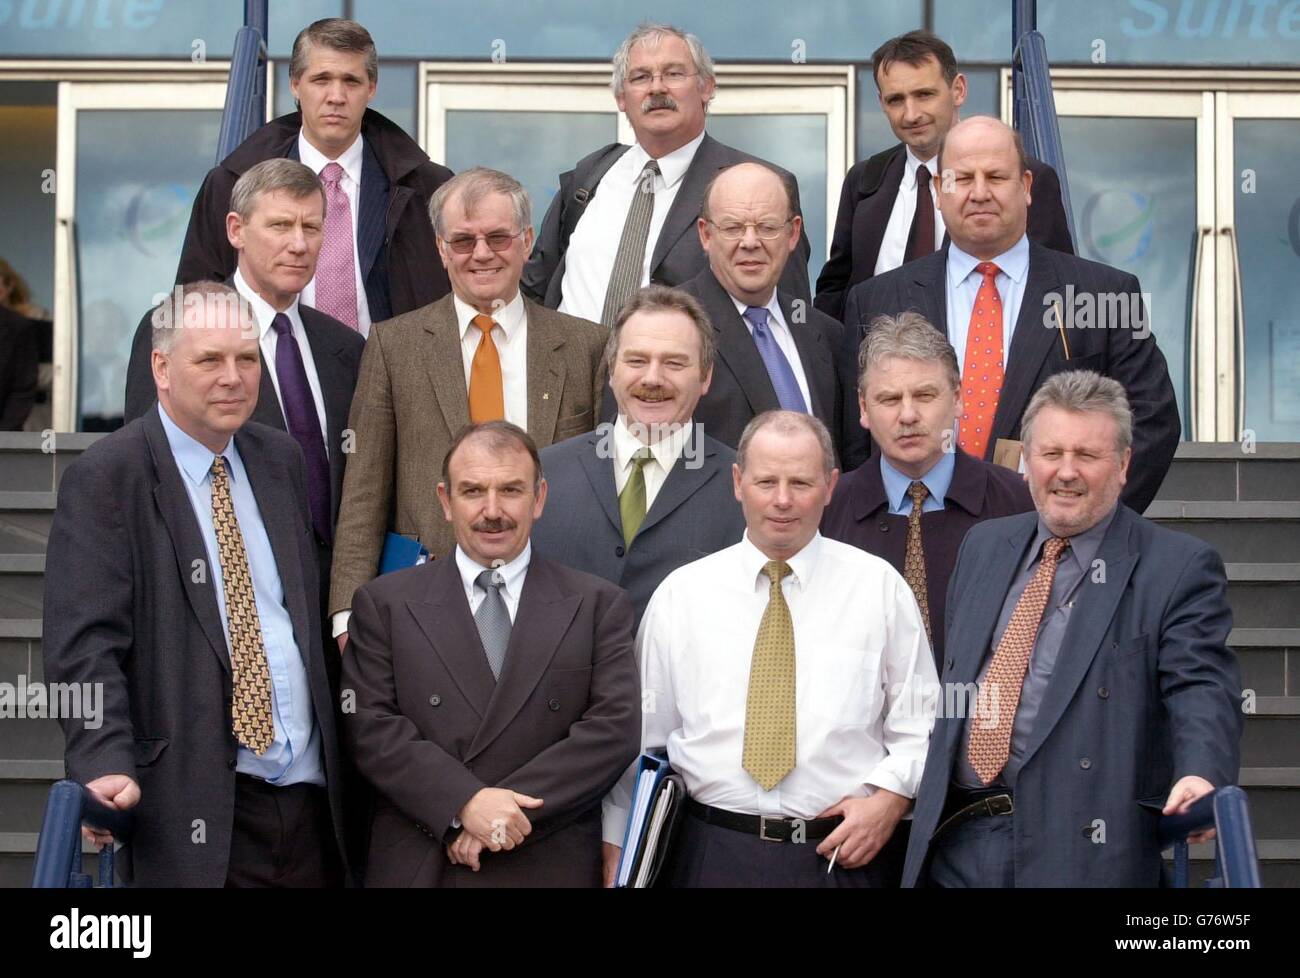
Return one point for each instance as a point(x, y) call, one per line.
point(631, 501)
point(990, 743)
point(914, 565)
point(251, 710)
point(769, 752)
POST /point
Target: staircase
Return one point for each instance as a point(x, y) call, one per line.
point(1246, 505)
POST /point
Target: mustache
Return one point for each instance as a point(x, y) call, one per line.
point(493, 526)
point(904, 432)
point(659, 100)
point(651, 392)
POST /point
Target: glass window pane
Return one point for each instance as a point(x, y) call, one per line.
point(288, 17)
point(133, 206)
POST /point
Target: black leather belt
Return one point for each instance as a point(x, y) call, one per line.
point(769, 828)
point(965, 805)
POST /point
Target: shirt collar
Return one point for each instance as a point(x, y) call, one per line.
point(513, 572)
point(937, 480)
point(349, 159)
point(801, 564)
point(510, 317)
point(263, 310)
point(666, 450)
point(193, 458)
point(1014, 262)
point(1083, 546)
point(773, 308)
point(673, 166)
point(911, 165)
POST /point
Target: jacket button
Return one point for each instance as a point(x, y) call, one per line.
point(435, 700)
point(1085, 763)
point(948, 666)
point(554, 704)
point(618, 551)
point(231, 764)
point(1103, 692)
point(1087, 831)
point(882, 526)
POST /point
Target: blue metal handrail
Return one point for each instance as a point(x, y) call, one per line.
point(1226, 810)
point(245, 108)
point(58, 847)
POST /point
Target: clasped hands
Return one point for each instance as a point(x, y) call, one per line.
point(493, 819)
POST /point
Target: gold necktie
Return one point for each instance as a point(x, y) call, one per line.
point(250, 712)
point(990, 742)
point(914, 565)
point(769, 752)
point(487, 398)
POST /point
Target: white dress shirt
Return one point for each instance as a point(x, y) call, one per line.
point(893, 246)
point(350, 160)
point(664, 454)
point(270, 341)
point(865, 680)
point(510, 335)
point(514, 574)
point(784, 339)
point(589, 260)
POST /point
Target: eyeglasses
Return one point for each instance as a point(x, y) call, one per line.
point(672, 77)
point(734, 230)
point(464, 244)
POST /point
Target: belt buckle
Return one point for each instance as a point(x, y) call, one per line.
point(762, 828)
point(1000, 805)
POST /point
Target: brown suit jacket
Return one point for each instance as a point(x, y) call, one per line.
point(410, 402)
point(432, 726)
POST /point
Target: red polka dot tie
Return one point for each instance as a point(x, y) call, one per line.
point(983, 366)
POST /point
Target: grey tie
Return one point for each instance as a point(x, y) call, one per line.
point(626, 276)
point(493, 619)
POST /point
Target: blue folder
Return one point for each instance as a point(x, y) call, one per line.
point(401, 552)
point(651, 772)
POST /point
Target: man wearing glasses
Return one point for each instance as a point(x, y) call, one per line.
point(595, 249)
point(483, 353)
point(773, 351)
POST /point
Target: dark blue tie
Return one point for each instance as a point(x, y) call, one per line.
point(778, 367)
point(304, 423)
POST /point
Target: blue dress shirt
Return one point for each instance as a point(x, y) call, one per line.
point(937, 480)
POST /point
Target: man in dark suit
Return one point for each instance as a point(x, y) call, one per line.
point(1107, 691)
point(774, 350)
point(182, 582)
point(917, 495)
point(595, 249)
point(497, 695)
point(378, 258)
point(886, 215)
point(1017, 312)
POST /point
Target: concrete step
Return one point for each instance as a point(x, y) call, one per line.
point(1261, 595)
point(1271, 736)
point(31, 462)
point(1268, 659)
point(25, 519)
point(1242, 532)
point(1209, 471)
point(22, 585)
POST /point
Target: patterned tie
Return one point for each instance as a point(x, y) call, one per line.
point(984, 365)
point(304, 423)
point(336, 272)
point(630, 258)
point(250, 711)
point(778, 367)
point(487, 396)
point(493, 619)
point(769, 751)
point(631, 501)
point(920, 240)
point(914, 565)
point(990, 743)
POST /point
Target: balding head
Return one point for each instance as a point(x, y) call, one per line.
point(748, 229)
point(983, 185)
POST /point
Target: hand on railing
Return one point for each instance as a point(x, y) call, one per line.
point(1183, 797)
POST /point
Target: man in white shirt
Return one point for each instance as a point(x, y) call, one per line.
point(595, 249)
point(791, 683)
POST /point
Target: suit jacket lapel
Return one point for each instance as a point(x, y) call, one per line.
point(187, 540)
point(333, 376)
point(444, 365)
point(600, 473)
point(872, 215)
point(979, 615)
point(735, 346)
point(686, 205)
point(543, 617)
point(928, 292)
point(450, 629)
point(683, 481)
point(371, 209)
point(1030, 344)
point(545, 374)
point(818, 363)
point(268, 410)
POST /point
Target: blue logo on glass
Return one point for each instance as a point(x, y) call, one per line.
point(1117, 226)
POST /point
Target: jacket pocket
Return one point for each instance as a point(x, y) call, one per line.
point(148, 750)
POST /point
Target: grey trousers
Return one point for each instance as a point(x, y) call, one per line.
point(976, 853)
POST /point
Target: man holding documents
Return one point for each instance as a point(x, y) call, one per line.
point(789, 679)
point(496, 692)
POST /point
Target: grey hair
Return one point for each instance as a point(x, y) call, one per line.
point(907, 336)
point(472, 186)
point(785, 177)
point(168, 318)
point(651, 34)
point(337, 34)
point(661, 298)
point(1083, 391)
point(270, 176)
point(788, 423)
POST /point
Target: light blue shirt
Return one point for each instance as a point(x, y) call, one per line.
point(295, 754)
point(964, 285)
point(937, 481)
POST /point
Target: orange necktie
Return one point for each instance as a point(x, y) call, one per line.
point(487, 399)
point(983, 367)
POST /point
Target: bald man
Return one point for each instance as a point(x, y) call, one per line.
point(1017, 312)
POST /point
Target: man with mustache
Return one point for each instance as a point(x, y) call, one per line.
point(596, 248)
point(918, 493)
point(496, 691)
point(1003, 301)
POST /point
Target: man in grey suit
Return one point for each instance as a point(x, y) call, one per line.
point(182, 580)
point(595, 249)
point(1107, 692)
